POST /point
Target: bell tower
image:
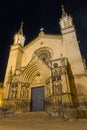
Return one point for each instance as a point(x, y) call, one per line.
point(66, 22)
point(19, 38)
point(70, 43)
point(15, 56)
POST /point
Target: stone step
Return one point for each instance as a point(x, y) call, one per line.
point(34, 115)
point(31, 116)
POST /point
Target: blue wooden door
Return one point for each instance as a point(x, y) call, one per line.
point(38, 99)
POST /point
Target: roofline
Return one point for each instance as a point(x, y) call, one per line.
point(42, 35)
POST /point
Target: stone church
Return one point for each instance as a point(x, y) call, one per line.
point(48, 73)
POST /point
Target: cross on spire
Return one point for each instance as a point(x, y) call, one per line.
point(41, 29)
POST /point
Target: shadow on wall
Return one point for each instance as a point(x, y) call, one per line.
point(73, 90)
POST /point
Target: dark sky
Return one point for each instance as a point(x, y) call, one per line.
point(36, 14)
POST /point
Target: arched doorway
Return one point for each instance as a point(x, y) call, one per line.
point(37, 99)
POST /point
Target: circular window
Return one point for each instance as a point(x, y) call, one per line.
point(44, 55)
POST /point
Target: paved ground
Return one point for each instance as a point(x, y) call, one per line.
point(40, 121)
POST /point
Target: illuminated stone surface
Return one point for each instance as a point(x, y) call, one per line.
point(50, 61)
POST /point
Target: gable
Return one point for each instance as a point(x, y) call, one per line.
point(53, 42)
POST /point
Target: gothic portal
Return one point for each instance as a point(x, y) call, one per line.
point(47, 73)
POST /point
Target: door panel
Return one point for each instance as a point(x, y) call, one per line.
point(38, 99)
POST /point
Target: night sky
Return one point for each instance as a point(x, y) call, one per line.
point(36, 14)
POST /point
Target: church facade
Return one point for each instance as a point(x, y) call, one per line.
point(48, 73)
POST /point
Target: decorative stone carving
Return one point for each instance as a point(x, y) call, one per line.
point(44, 54)
point(65, 21)
point(13, 93)
point(37, 78)
point(18, 37)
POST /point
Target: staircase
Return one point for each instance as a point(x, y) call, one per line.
point(34, 116)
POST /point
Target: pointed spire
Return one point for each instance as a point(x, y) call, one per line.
point(63, 11)
point(21, 29)
point(19, 37)
point(66, 20)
